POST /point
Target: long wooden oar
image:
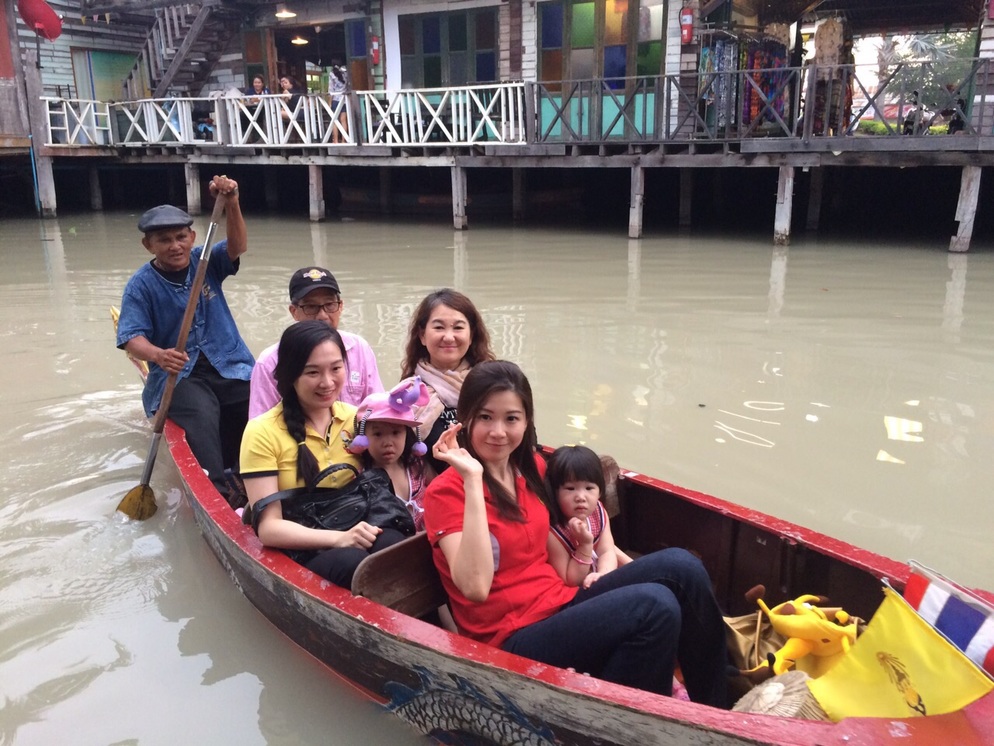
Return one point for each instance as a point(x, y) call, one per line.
point(139, 503)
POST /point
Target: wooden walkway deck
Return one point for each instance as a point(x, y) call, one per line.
point(633, 123)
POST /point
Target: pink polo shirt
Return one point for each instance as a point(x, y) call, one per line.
point(362, 379)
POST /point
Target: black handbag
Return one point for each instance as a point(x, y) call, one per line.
point(369, 497)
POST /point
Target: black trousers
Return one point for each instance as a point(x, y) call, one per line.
point(339, 565)
point(213, 411)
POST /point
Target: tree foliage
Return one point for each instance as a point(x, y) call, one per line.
point(930, 63)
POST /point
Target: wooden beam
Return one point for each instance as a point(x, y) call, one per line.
point(315, 190)
point(785, 204)
point(38, 124)
point(815, 187)
point(637, 201)
point(96, 7)
point(192, 173)
point(184, 49)
point(966, 208)
point(459, 221)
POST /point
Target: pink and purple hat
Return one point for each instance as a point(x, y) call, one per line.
point(394, 406)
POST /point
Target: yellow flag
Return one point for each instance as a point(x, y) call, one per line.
point(899, 667)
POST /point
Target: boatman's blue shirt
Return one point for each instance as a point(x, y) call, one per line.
point(153, 308)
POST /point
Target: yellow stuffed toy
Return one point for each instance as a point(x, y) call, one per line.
point(816, 636)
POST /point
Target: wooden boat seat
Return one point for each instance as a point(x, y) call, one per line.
point(402, 577)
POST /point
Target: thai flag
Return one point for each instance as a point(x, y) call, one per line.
point(966, 620)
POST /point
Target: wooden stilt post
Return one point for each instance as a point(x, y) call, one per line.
point(785, 204)
point(638, 199)
point(459, 221)
point(386, 190)
point(192, 173)
point(518, 194)
point(966, 208)
point(315, 191)
point(814, 198)
point(38, 124)
point(686, 196)
point(271, 188)
point(96, 196)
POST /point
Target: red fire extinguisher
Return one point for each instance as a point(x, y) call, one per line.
point(374, 49)
point(686, 25)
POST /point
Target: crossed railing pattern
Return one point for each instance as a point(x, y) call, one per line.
point(446, 116)
point(78, 122)
point(725, 106)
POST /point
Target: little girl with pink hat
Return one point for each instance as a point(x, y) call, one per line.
point(388, 437)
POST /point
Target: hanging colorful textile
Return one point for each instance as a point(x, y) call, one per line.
point(766, 61)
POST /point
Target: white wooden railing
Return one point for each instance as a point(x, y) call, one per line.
point(78, 122)
point(429, 117)
point(445, 116)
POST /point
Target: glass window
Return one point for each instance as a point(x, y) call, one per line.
point(552, 25)
point(410, 72)
point(355, 34)
point(650, 58)
point(582, 64)
point(458, 69)
point(457, 32)
point(405, 25)
point(651, 20)
point(486, 30)
point(448, 49)
point(616, 22)
point(431, 35)
point(582, 28)
point(432, 72)
point(552, 65)
point(486, 67)
point(614, 62)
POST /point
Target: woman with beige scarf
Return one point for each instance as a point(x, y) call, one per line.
point(447, 337)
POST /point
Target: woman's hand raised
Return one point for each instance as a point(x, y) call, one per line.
point(448, 450)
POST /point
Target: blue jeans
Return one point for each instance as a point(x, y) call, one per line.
point(633, 624)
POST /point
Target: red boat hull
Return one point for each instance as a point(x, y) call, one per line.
point(463, 692)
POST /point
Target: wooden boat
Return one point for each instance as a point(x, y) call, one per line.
point(460, 691)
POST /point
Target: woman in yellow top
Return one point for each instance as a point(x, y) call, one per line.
point(291, 443)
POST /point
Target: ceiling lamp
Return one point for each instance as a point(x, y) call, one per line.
point(298, 40)
point(282, 12)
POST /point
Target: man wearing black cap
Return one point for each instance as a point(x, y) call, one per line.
point(210, 401)
point(315, 295)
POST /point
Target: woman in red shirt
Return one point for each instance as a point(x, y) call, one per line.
point(489, 526)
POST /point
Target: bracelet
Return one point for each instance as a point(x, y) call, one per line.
point(576, 559)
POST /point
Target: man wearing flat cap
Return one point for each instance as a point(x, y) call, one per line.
point(210, 401)
point(314, 294)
